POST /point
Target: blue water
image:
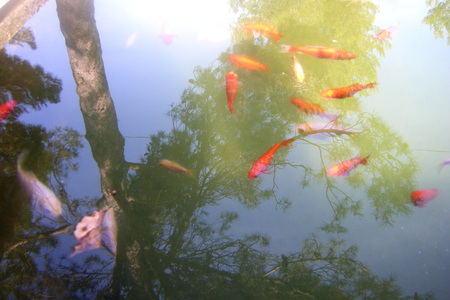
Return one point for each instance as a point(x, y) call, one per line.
point(146, 78)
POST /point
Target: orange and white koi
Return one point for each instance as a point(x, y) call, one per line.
point(174, 167)
point(262, 28)
point(247, 62)
point(6, 108)
point(311, 109)
point(345, 167)
point(319, 52)
point(232, 88)
point(386, 33)
point(422, 197)
point(297, 69)
point(347, 91)
point(264, 161)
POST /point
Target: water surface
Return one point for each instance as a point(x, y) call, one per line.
point(292, 232)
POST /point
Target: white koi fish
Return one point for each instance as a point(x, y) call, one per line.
point(322, 127)
point(297, 70)
point(44, 198)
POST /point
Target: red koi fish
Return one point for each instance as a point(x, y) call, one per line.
point(386, 33)
point(345, 167)
point(311, 109)
point(173, 166)
point(347, 91)
point(421, 197)
point(320, 52)
point(6, 108)
point(264, 161)
point(247, 63)
point(262, 28)
point(232, 88)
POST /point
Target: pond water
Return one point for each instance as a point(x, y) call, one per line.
point(132, 83)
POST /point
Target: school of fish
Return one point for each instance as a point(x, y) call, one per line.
point(101, 226)
point(418, 198)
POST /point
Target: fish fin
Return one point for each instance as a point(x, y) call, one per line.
point(265, 68)
point(276, 37)
point(330, 117)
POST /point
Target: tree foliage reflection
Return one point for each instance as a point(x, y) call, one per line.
point(170, 246)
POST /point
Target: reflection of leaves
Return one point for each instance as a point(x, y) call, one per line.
point(24, 36)
point(439, 18)
point(25, 83)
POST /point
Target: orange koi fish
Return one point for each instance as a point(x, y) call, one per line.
point(421, 197)
point(173, 166)
point(264, 161)
point(311, 109)
point(232, 88)
point(386, 33)
point(247, 63)
point(6, 108)
point(297, 69)
point(345, 167)
point(347, 91)
point(320, 52)
point(262, 28)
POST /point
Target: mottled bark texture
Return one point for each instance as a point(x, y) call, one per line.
point(107, 144)
point(85, 56)
point(14, 14)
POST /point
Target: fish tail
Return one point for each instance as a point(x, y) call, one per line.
point(21, 159)
point(276, 37)
point(286, 48)
point(364, 160)
point(330, 117)
point(287, 143)
point(265, 68)
point(371, 85)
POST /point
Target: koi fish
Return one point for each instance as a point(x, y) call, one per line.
point(319, 52)
point(346, 91)
point(306, 129)
point(386, 33)
point(311, 109)
point(44, 198)
point(173, 166)
point(167, 33)
point(443, 164)
point(264, 161)
point(345, 167)
point(232, 88)
point(109, 231)
point(262, 28)
point(421, 197)
point(6, 108)
point(297, 69)
point(247, 63)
